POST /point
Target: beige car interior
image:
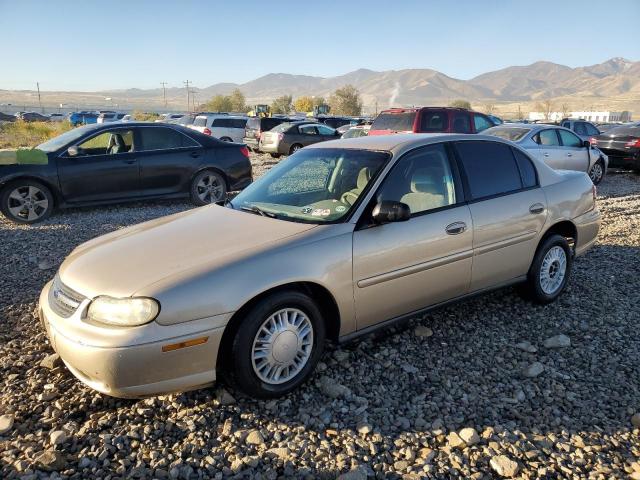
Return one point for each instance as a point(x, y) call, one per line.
point(350, 197)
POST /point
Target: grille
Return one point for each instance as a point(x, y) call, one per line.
point(63, 300)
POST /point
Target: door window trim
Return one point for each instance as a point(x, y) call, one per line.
point(63, 154)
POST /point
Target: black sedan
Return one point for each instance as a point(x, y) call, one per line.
point(108, 163)
point(622, 146)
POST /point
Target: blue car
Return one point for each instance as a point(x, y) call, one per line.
point(83, 118)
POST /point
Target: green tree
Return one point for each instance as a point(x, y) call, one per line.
point(317, 101)
point(346, 101)
point(219, 103)
point(303, 104)
point(459, 103)
point(282, 104)
point(238, 102)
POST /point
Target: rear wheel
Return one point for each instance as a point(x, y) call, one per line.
point(26, 201)
point(208, 187)
point(596, 174)
point(550, 270)
point(294, 148)
point(277, 345)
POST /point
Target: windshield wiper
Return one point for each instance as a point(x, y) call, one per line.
point(258, 211)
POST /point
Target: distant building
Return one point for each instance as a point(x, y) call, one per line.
point(605, 116)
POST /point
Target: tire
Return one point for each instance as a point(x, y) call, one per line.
point(294, 148)
point(275, 155)
point(252, 376)
point(596, 173)
point(226, 139)
point(37, 201)
point(208, 187)
point(543, 285)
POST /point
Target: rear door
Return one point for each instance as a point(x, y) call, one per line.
point(508, 209)
point(576, 155)
point(168, 159)
point(105, 169)
point(308, 135)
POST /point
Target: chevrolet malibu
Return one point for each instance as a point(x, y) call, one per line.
point(339, 239)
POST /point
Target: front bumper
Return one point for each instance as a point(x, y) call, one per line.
point(114, 366)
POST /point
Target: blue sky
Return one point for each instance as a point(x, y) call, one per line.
point(92, 45)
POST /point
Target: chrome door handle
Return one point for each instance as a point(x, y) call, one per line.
point(455, 228)
point(536, 208)
point(546, 154)
point(569, 155)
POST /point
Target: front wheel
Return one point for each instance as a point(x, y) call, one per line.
point(550, 270)
point(596, 174)
point(277, 346)
point(208, 187)
point(26, 201)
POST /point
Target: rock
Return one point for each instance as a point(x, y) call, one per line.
point(333, 389)
point(84, 463)
point(364, 428)
point(455, 441)
point(51, 361)
point(58, 437)
point(355, 474)
point(527, 347)
point(635, 420)
point(254, 438)
point(6, 423)
point(504, 466)
point(50, 460)
point(281, 453)
point(426, 454)
point(422, 331)
point(225, 398)
point(469, 435)
point(400, 465)
point(341, 355)
point(533, 370)
point(558, 341)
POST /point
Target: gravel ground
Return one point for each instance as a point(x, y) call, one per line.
point(494, 387)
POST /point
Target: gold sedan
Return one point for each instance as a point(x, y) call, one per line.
point(341, 238)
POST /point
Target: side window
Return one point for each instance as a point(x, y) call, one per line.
point(591, 130)
point(159, 138)
point(527, 170)
point(490, 167)
point(569, 139)
point(434, 121)
point(324, 130)
point(239, 123)
point(548, 138)
point(308, 130)
point(579, 128)
point(108, 143)
point(422, 179)
point(481, 123)
point(461, 123)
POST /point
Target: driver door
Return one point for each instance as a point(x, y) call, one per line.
point(402, 267)
point(106, 168)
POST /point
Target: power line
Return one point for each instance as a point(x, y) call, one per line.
point(164, 93)
point(186, 82)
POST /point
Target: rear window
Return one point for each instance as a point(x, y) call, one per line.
point(200, 122)
point(254, 123)
point(513, 134)
point(527, 170)
point(269, 123)
point(229, 122)
point(401, 121)
point(160, 138)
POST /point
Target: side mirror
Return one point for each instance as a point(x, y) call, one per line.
point(389, 211)
point(73, 151)
point(586, 143)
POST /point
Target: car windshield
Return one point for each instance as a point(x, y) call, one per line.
point(513, 134)
point(66, 138)
point(316, 185)
point(399, 122)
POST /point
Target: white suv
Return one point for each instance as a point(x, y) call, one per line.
point(228, 128)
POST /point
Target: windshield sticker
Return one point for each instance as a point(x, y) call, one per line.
point(321, 212)
point(340, 208)
point(307, 210)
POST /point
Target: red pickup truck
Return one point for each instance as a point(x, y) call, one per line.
point(429, 120)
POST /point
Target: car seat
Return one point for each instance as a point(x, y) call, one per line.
point(350, 197)
point(427, 190)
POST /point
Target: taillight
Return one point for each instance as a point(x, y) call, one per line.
point(244, 151)
point(206, 131)
point(635, 142)
point(593, 141)
point(258, 134)
point(280, 136)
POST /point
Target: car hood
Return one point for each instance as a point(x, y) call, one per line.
point(125, 261)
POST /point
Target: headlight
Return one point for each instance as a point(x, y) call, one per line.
point(123, 312)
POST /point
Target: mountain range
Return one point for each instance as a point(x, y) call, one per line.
point(614, 84)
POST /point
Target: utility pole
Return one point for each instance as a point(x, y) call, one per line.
point(164, 93)
point(194, 93)
point(186, 82)
point(39, 100)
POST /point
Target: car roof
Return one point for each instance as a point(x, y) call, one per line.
point(415, 109)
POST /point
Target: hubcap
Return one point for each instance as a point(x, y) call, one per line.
point(209, 189)
point(596, 173)
point(27, 203)
point(553, 270)
point(282, 346)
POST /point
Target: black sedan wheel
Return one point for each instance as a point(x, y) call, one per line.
point(26, 201)
point(208, 187)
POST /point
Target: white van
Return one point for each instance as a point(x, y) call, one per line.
point(228, 128)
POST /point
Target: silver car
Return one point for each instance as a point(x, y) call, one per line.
point(340, 238)
point(558, 147)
